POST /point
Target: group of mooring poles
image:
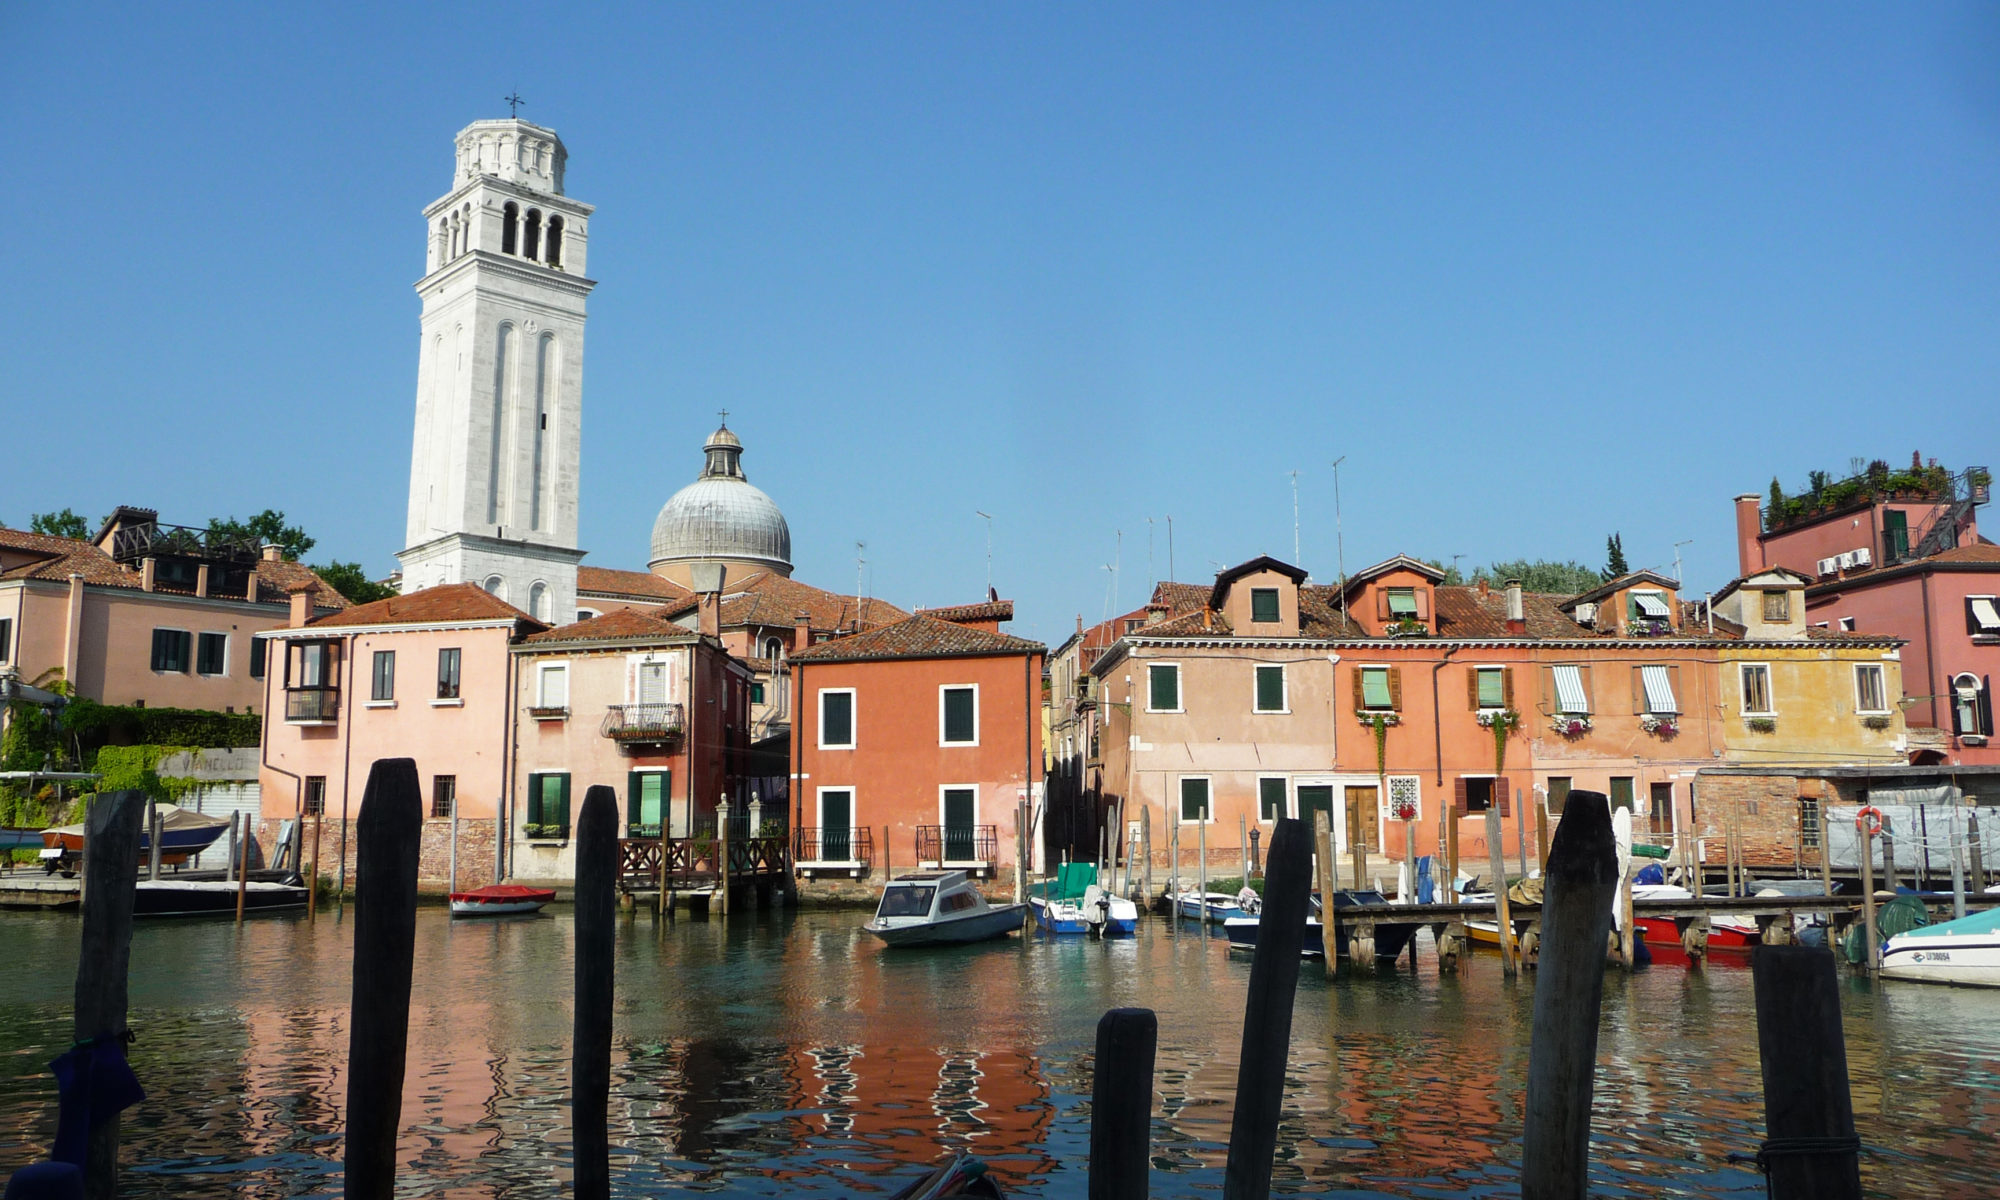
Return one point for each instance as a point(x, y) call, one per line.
point(1810, 1150)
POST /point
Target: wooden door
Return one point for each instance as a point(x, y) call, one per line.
point(1364, 815)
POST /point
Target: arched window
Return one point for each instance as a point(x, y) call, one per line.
point(443, 242)
point(538, 601)
point(555, 241)
point(508, 217)
point(531, 236)
point(774, 649)
point(495, 586)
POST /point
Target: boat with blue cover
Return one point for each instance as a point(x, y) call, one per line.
point(1219, 906)
point(1391, 937)
point(1072, 902)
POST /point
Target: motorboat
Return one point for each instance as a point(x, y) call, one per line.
point(940, 908)
point(500, 900)
point(1391, 937)
point(184, 833)
point(213, 897)
point(1215, 906)
point(1965, 952)
point(1073, 902)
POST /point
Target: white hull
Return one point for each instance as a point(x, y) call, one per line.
point(1922, 957)
point(502, 908)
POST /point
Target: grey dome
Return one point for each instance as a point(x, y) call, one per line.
point(722, 516)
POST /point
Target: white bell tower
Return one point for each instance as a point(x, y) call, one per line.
point(493, 476)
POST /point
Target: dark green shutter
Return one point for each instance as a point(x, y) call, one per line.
point(562, 817)
point(1621, 792)
point(1270, 689)
point(1164, 684)
point(959, 723)
point(1194, 799)
point(837, 718)
point(1270, 799)
point(1264, 605)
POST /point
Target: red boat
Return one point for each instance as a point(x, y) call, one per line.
point(499, 900)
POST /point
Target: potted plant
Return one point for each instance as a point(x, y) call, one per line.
point(1406, 627)
point(1570, 725)
point(1877, 721)
point(1665, 725)
point(1762, 724)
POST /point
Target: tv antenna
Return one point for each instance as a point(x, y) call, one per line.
point(989, 548)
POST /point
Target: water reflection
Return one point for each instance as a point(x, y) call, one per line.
point(790, 1055)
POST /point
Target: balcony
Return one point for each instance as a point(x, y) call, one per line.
point(957, 847)
point(849, 850)
point(643, 724)
point(312, 705)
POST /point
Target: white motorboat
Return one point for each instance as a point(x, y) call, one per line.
point(939, 908)
point(1965, 951)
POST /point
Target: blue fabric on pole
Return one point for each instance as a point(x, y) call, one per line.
point(46, 1181)
point(94, 1083)
point(1426, 890)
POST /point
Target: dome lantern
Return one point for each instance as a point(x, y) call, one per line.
point(721, 517)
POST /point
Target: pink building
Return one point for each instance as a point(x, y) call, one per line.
point(147, 614)
point(1901, 555)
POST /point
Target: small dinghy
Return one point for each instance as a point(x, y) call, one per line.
point(1965, 952)
point(939, 908)
point(1073, 903)
point(1390, 937)
point(500, 900)
point(184, 833)
point(213, 897)
point(1216, 906)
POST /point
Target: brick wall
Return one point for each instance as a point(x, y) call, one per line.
point(1766, 811)
point(475, 851)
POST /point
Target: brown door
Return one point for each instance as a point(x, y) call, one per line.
point(1363, 816)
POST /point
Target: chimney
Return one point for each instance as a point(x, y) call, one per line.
point(707, 579)
point(302, 603)
point(802, 634)
point(149, 568)
point(1517, 613)
point(1155, 613)
point(1484, 590)
point(274, 553)
point(201, 581)
point(1749, 524)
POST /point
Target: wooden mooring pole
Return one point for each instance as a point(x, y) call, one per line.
point(1580, 879)
point(1121, 1105)
point(596, 942)
point(1329, 883)
point(387, 834)
point(111, 853)
point(1866, 842)
point(1267, 1013)
point(1503, 918)
point(1811, 1151)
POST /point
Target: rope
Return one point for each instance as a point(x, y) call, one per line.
point(1798, 1147)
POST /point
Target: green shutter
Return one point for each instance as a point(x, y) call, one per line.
point(959, 722)
point(1621, 792)
point(645, 797)
point(1402, 602)
point(1264, 605)
point(562, 811)
point(1194, 799)
point(1270, 689)
point(1270, 799)
point(1375, 687)
point(1164, 682)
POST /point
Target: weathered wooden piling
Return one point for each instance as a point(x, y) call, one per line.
point(111, 861)
point(1121, 1105)
point(1811, 1150)
point(1503, 918)
point(1580, 879)
point(1329, 883)
point(1201, 871)
point(1873, 955)
point(152, 840)
point(596, 942)
point(1267, 1013)
point(385, 939)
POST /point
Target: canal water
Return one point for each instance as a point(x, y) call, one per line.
point(789, 1055)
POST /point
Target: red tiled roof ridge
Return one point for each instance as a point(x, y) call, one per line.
point(918, 636)
point(985, 610)
point(618, 581)
point(448, 602)
point(620, 624)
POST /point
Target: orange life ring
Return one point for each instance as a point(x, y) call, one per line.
point(1868, 821)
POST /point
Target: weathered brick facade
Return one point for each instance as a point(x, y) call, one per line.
point(475, 851)
point(1767, 812)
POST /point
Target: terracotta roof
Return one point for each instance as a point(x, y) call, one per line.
point(1262, 562)
point(770, 599)
point(1977, 552)
point(918, 637)
point(992, 610)
point(618, 625)
point(432, 606)
point(1180, 597)
point(59, 557)
point(608, 581)
point(1623, 581)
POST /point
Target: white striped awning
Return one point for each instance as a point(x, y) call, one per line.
point(1570, 697)
point(1651, 604)
point(1986, 612)
point(1659, 690)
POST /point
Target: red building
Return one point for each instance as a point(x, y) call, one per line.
point(917, 744)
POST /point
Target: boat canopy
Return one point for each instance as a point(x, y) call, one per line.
point(1978, 923)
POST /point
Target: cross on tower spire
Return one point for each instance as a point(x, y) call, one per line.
point(725, 418)
point(514, 103)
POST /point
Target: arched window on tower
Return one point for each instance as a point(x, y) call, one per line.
point(538, 601)
point(509, 216)
point(555, 241)
point(495, 586)
point(443, 242)
point(531, 235)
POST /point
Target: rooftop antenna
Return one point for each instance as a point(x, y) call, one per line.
point(1110, 585)
point(989, 546)
point(1454, 566)
point(1677, 557)
point(1340, 538)
point(1117, 560)
point(514, 103)
point(1151, 578)
point(1295, 518)
point(1170, 546)
point(859, 562)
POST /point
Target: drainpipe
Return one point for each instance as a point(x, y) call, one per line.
point(798, 780)
point(1437, 725)
point(509, 731)
point(346, 759)
point(1930, 650)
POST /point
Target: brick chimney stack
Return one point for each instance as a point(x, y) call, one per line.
point(707, 579)
point(1749, 523)
point(302, 603)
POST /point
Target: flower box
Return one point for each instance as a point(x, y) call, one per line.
point(549, 712)
point(1369, 716)
point(1762, 724)
point(1404, 811)
point(1406, 627)
point(1878, 721)
point(1570, 725)
point(1665, 725)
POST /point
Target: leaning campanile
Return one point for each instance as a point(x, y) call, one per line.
point(493, 471)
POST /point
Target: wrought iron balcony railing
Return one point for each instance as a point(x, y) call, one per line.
point(629, 723)
point(956, 845)
point(839, 845)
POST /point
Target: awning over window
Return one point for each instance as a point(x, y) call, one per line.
point(1659, 690)
point(1651, 604)
point(1375, 687)
point(1986, 614)
point(1570, 696)
point(1402, 602)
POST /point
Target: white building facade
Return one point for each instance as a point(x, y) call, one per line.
point(494, 468)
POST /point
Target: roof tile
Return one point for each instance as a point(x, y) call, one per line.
point(446, 602)
point(918, 636)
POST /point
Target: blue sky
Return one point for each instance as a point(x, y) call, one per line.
point(1538, 274)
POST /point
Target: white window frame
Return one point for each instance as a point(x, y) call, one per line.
point(1770, 689)
point(1286, 808)
point(1277, 597)
point(1385, 668)
point(668, 678)
point(1382, 801)
point(854, 825)
point(1180, 690)
point(194, 648)
point(1994, 602)
point(1582, 687)
point(853, 719)
point(1882, 689)
point(542, 673)
point(950, 687)
point(388, 701)
point(1479, 669)
point(1284, 690)
point(957, 787)
point(195, 666)
point(587, 614)
point(1180, 803)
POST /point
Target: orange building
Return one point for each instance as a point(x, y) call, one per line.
point(917, 744)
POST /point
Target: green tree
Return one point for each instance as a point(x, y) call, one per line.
point(352, 582)
point(1542, 575)
point(267, 526)
point(60, 524)
point(1614, 557)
